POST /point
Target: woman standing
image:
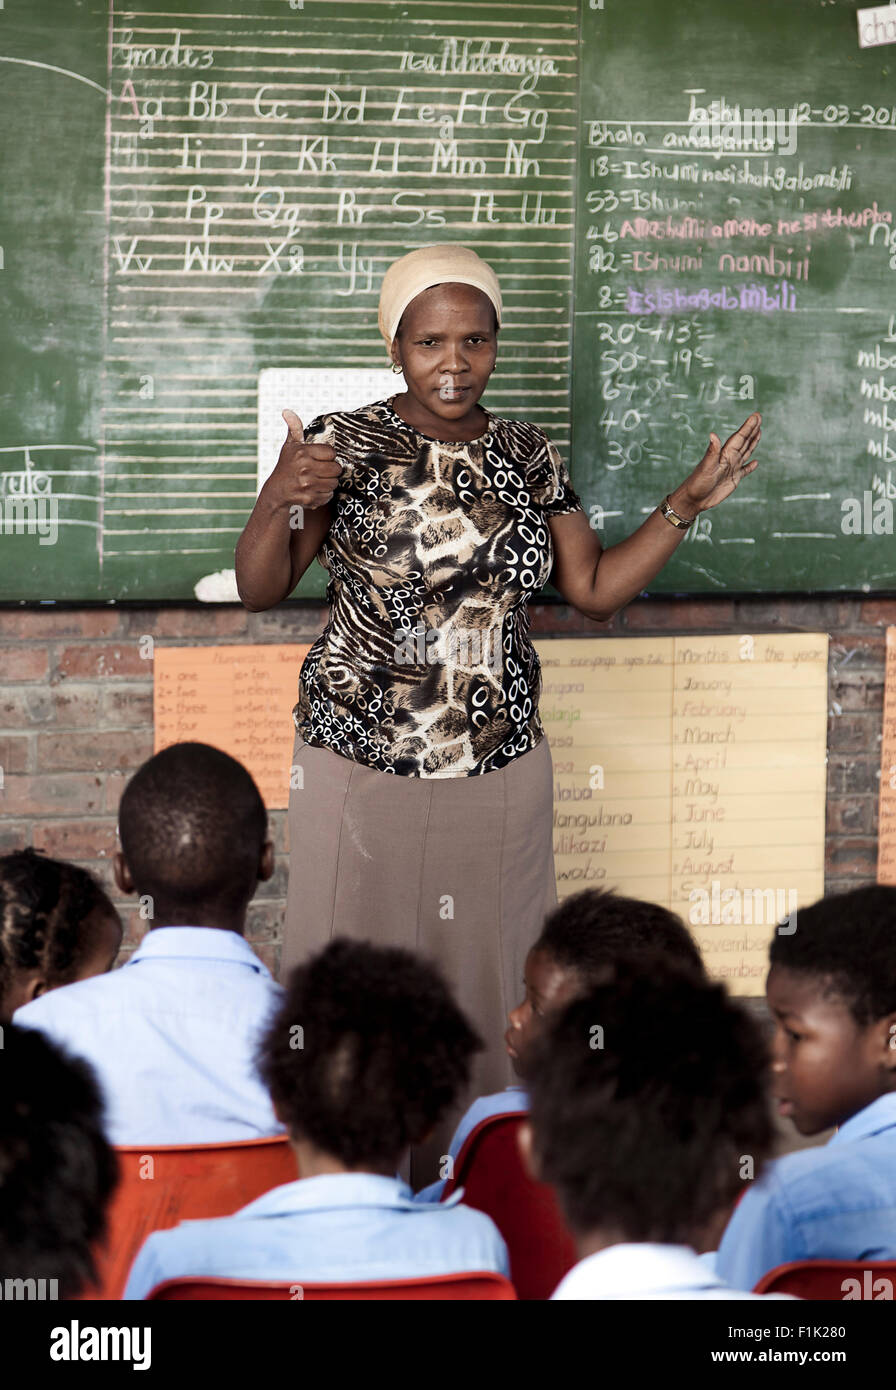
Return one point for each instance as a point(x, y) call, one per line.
point(426, 812)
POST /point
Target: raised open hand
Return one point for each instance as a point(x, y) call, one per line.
point(306, 474)
point(723, 467)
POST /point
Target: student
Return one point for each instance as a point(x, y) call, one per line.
point(832, 992)
point(57, 1172)
point(580, 939)
point(57, 925)
point(171, 1035)
point(648, 1096)
point(366, 1053)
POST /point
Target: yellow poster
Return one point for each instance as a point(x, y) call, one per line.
point(691, 771)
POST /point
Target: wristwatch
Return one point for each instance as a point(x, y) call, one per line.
point(672, 516)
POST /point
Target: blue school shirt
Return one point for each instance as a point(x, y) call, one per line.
point(836, 1202)
point(171, 1036)
point(339, 1227)
point(510, 1101)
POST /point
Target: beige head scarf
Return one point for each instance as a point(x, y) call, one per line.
point(427, 266)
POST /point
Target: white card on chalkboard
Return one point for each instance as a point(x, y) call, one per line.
point(311, 391)
point(877, 26)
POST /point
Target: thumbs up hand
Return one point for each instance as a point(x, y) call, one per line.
point(305, 474)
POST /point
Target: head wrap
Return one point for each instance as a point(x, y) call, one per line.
point(427, 266)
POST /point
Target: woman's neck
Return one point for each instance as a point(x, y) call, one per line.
point(463, 430)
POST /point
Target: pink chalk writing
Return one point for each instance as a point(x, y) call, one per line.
point(698, 229)
point(753, 298)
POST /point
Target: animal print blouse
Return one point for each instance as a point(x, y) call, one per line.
point(425, 668)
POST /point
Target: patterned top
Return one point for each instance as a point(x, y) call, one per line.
point(425, 668)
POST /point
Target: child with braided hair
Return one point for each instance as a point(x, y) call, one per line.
point(57, 925)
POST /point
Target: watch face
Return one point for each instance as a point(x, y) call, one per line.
point(671, 515)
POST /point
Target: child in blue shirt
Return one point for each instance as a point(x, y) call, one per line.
point(171, 1034)
point(832, 992)
point(579, 940)
point(646, 1093)
point(365, 1055)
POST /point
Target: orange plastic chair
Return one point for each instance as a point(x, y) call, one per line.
point(490, 1169)
point(181, 1182)
point(484, 1286)
point(825, 1279)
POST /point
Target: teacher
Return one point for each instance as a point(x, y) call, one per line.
point(425, 812)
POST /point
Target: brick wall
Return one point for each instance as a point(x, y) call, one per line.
point(76, 716)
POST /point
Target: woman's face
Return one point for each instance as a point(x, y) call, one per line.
point(446, 345)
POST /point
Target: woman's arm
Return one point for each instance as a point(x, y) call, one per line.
point(272, 555)
point(600, 582)
point(289, 521)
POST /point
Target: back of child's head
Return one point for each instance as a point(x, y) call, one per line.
point(57, 1171)
point(588, 931)
point(366, 1053)
point(56, 925)
point(648, 1103)
point(847, 942)
point(192, 826)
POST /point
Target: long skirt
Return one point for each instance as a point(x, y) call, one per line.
point(460, 869)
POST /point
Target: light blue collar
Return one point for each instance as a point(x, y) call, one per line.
point(332, 1191)
point(876, 1117)
point(196, 943)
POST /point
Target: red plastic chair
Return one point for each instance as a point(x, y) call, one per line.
point(158, 1187)
point(490, 1169)
point(482, 1285)
point(825, 1279)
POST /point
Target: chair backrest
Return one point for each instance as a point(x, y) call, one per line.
point(181, 1182)
point(833, 1280)
point(479, 1285)
point(490, 1169)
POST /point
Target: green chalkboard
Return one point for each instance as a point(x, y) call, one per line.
point(736, 250)
point(232, 194)
point(52, 234)
point(196, 195)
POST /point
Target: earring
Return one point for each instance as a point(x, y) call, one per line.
point(397, 368)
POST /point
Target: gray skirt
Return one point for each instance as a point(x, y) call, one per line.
point(458, 868)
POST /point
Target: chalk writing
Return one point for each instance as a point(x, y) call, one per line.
point(284, 166)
